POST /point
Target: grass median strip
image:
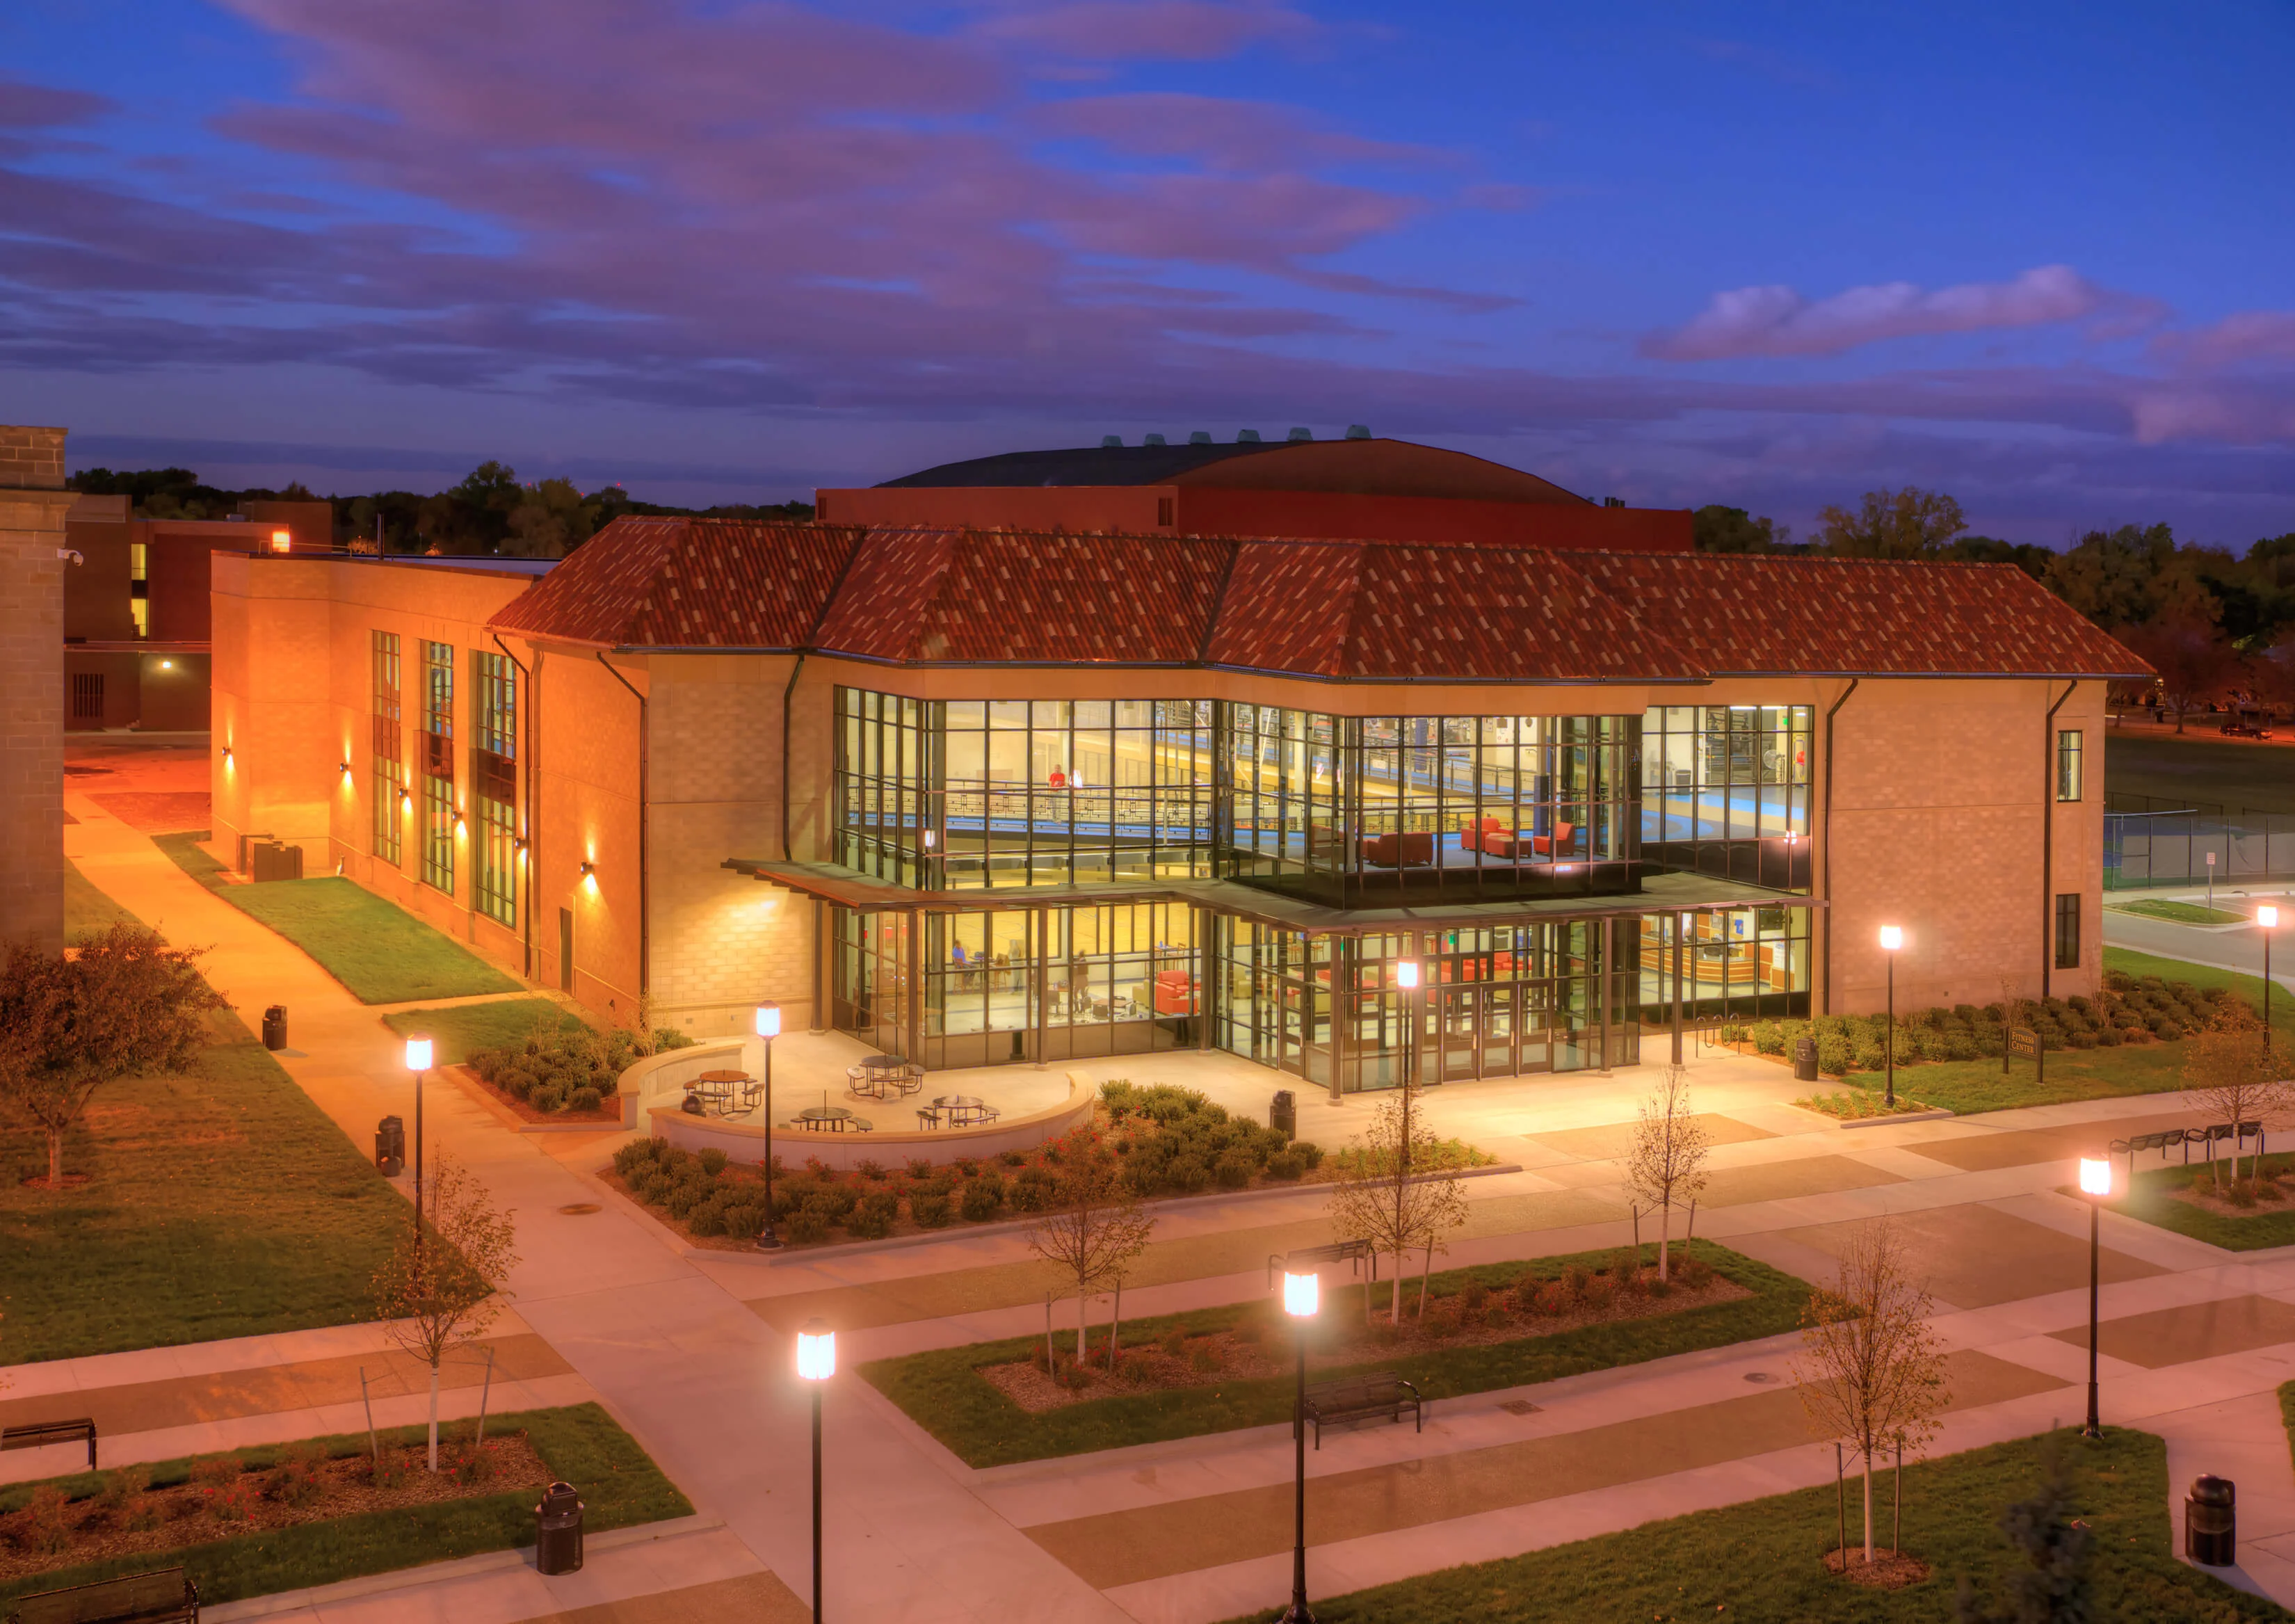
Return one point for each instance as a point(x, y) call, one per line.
point(1761, 1563)
point(2270, 1222)
point(619, 1483)
point(944, 1392)
point(218, 1202)
point(380, 952)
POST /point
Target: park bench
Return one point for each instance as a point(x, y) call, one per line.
point(2205, 1137)
point(39, 1434)
point(1379, 1396)
point(167, 1596)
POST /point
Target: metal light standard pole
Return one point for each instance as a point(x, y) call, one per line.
point(2266, 919)
point(1892, 939)
point(769, 1028)
point(2096, 1184)
point(816, 1362)
point(418, 1061)
point(1301, 1296)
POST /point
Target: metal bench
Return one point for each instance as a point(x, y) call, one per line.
point(1376, 1397)
point(167, 1596)
point(2205, 1137)
point(39, 1434)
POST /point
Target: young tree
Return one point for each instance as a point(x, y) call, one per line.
point(1666, 1166)
point(441, 1286)
point(1095, 1227)
point(2054, 1585)
point(1377, 1196)
point(1870, 1369)
point(1907, 523)
point(2236, 1075)
point(121, 1004)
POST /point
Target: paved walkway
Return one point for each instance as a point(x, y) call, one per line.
point(690, 1349)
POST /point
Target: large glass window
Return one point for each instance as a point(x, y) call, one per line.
point(389, 763)
point(438, 766)
point(1725, 791)
point(493, 783)
point(1735, 963)
point(2068, 930)
point(2068, 764)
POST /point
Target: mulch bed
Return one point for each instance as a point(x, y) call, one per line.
point(2269, 1199)
point(1888, 1570)
point(1241, 1356)
point(43, 1537)
point(604, 1116)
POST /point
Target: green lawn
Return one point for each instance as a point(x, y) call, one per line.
point(459, 1030)
point(86, 910)
point(2180, 913)
point(620, 1486)
point(942, 1392)
point(1760, 1562)
point(2269, 1224)
point(2204, 976)
point(222, 1202)
point(382, 953)
point(1967, 1086)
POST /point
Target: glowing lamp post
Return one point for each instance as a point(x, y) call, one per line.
point(1302, 1297)
point(1406, 976)
point(768, 1024)
point(418, 1061)
point(816, 1362)
point(2096, 1184)
point(1892, 939)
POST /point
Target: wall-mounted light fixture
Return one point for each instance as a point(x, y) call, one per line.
point(590, 875)
point(282, 541)
point(405, 799)
point(226, 753)
point(346, 769)
point(461, 829)
point(166, 665)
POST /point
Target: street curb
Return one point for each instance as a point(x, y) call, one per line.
point(1901, 1116)
point(847, 1249)
point(318, 1596)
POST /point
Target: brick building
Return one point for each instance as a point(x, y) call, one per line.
point(33, 561)
point(990, 796)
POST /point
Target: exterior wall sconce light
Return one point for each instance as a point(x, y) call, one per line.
point(461, 829)
point(166, 665)
point(405, 799)
point(590, 876)
point(282, 541)
point(346, 769)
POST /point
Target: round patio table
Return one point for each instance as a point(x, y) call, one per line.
point(832, 1118)
point(962, 1108)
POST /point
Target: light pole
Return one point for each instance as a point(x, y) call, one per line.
point(1406, 976)
point(418, 1061)
point(769, 1028)
point(1892, 939)
point(816, 1362)
point(1301, 1296)
point(2096, 1184)
point(2267, 920)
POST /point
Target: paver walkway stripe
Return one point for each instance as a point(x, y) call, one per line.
point(1731, 1186)
point(1979, 1153)
point(2193, 1331)
point(1155, 1542)
point(753, 1596)
point(264, 1389)
point(1609, 1141)
point(1977, 1256)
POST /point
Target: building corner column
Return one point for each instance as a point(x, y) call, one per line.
point(33, 558)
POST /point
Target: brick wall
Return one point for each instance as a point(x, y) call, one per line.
point(32, 510)
point(31, 459)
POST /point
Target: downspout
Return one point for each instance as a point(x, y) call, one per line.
point(1825, 833)
point(525, 760)
point(2048, 834)
point(645, 909)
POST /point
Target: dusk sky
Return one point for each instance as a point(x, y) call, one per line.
point(2041, 256)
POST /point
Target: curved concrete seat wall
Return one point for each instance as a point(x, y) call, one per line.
point(664, 1076)
point(745, 1141)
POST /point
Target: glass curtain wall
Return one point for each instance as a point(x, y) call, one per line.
point(1337, 807)
point(493, 783)
point(1490, 1003)
point(1725, 791)
point(994, 986)
point(389, 773)
point(438, 766)
point(1737, 964)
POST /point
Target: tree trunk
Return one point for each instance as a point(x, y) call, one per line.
point(434, 1415)
point(1869, 1508)
point(1394, 1308)
point(55, 1160)
point(1115, 1320)
point(1664, 1234)
point(1081, 1326)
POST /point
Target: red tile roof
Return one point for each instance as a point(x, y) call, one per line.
point(1336, 610)
point(688, 584)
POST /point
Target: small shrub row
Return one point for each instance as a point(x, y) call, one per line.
point(567, 1071)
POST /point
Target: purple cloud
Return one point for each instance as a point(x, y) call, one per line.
point(1777, 320)
point(1139, 30)
point(25, 106)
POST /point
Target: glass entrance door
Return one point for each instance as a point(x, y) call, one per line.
point(1458, 1028)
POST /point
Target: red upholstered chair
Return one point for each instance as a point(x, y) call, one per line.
point(1474, 839)
point(1175, 992)
point(1557, 845)
point(1407, 850)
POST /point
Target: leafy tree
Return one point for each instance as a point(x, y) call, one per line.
point(121, 1004)
point(2234, 1072)
point(1095, 1228)
point(1714, 528)
point(1911, 523)
point(440, 1287)
point(2195, 662)
point(1379, 1198)
point(1871, 1368)
point(2055, 1586)
point(1666, 1166)
point(549, 521)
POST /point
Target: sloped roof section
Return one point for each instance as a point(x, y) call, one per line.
point(688, 584)
point(1759, 614)
point(1379, 468)
point(1024, 598)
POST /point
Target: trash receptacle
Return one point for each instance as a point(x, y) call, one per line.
point(274, 1027)
point(390, 1146)
point(1804, 1059)
point(2211, 1522)
point(1283, 1114)
point(558, 1530)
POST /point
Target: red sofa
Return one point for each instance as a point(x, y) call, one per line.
point(1414, 850)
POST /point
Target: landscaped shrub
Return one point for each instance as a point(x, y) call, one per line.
point(744, 1220)
point(1235, 1168)
point(930, 1212)
point(1834, 1056)
point(983, 1199)
point(1032, 1191)
point(549, 1096)
point(873, 1215)
point(1188, 1174)
point(807, 1225)
point(1286, 1165)
point(707, 1217)
point(713, 1160)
